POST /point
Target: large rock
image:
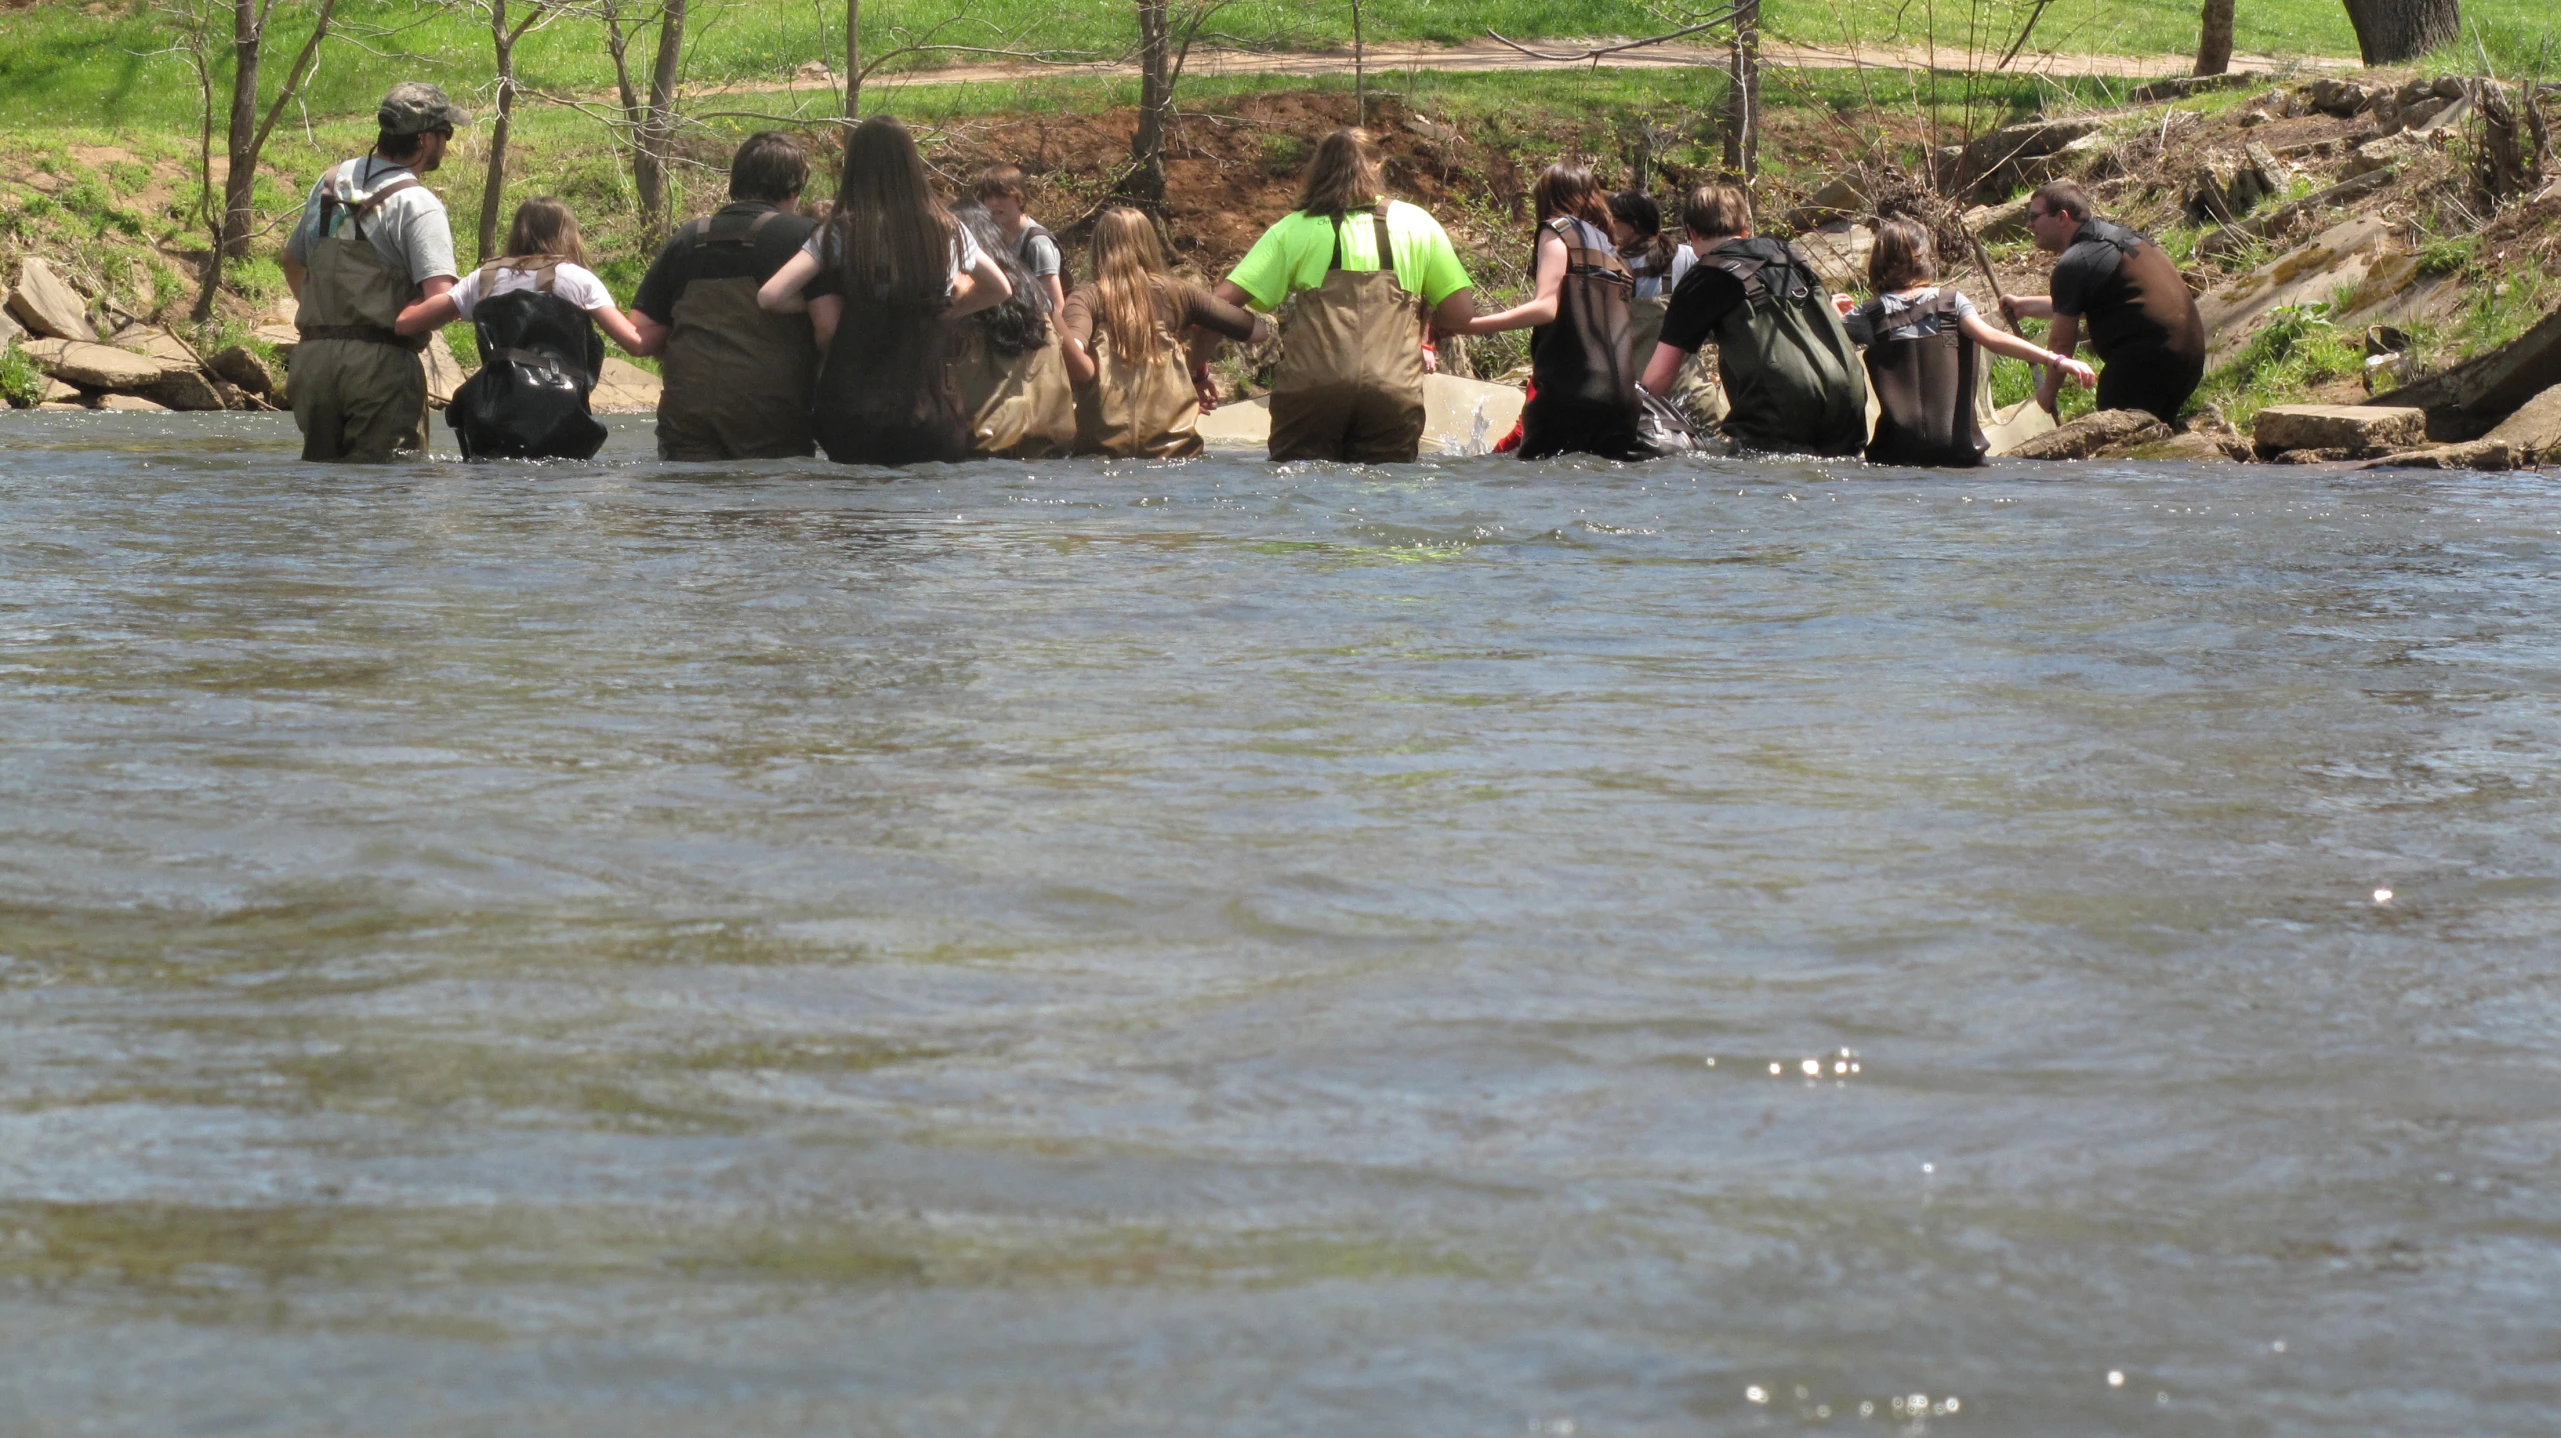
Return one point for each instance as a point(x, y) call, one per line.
point(2337, 97)
point(135, 403)
point(10, 329)
point(2480, 454)
point(2190, 447)
point(2361, 431)
point(187, 389)
point(2467, 401)
point(445, 374)
point(46, 303)
point(624, 388)
point(2091, 433)
point(95, 366)
point(241, 365)
point(56, 392)
point(2534, 431)
point(2311, 273)
point(160, 344)
point(1996, 223)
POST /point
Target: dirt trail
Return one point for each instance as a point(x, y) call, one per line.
point(1486, 55)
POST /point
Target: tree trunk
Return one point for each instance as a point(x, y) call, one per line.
point(2214, 39)
point(657, 132)
point(1146, 179)
point(853, 59)
point(1360, 70)
point(493, 186)
point(248, 47)
point(1743, 100)
point(2389, 32)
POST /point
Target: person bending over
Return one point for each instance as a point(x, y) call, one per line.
point(2141, 317)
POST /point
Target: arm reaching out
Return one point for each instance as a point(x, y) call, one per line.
point(2016, 348)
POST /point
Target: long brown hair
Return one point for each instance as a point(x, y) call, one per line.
point(892, 237)
point(1130, 281)
point(1904, 256)
point(1570, 190)
point(1343, 177)
point(544, 229)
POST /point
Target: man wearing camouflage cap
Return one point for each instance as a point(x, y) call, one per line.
point(373, 240)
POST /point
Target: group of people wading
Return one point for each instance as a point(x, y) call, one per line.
point(896, 330)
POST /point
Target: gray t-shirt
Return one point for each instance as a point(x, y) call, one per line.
point(1039, 254)
point(1882, 317)
point(409, 229)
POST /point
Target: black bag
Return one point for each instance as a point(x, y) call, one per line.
point(539, 357)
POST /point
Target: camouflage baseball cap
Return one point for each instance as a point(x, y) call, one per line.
point(415, 107)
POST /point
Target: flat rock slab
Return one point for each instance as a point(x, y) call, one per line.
point(45, 302)
point(95, 366)
point(134, 403)
point(2339, 256)
point(2091, 433)
point(2486, 455)
point(2361, 431)
point(156, 342)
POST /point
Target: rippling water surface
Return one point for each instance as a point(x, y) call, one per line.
point(1479, 948)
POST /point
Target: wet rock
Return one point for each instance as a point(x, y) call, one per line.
point(45, 302)
point(2085, 437)
point(186, 389)
point(2534, 431)
point(134, 403)
point(2359, 431)
point(95, 366)
point(242, 366)
point(2191, 448)
point(2481, 454)
point(2313, 456)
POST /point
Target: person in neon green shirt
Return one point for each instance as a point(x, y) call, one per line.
point(1350, 381)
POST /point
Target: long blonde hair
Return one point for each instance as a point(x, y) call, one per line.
point(1343, 177)
point(1130, 283)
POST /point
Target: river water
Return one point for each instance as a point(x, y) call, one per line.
point(1475, 948)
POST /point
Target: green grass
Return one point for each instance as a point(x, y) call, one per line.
point(21, 383)
point(111, 67)
point(2297, 349)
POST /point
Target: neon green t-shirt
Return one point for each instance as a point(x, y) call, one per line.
point(1293, 255)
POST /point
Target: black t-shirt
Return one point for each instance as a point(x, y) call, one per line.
point(682, 262)
point(2128, 294)
point(1702, 300)
point(2081, 277)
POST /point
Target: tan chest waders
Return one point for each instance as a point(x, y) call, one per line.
point(1349, 385)
point(737, 378)
point(1143, 408)
point(1019, 406)
point(359, 391)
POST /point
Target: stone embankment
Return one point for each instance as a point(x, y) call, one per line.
point(94, 356)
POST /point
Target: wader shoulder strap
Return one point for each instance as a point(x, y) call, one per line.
point(709, 230)
point(1582, 259)
point(1378, 228)
point(358, 213)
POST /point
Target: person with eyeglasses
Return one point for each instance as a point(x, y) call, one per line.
point(2141, 317)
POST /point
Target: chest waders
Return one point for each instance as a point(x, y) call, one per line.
point(1020, 406)
point(1349, 385)
point(1582, 379)
point(2150, 341)
point(885, 395)
point(359, 391)
point(1791, 376)
point(1925, 391)
point(539, 355)
point(1142, 408)
point(737, 379)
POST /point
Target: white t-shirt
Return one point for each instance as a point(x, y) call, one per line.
point(574, 283)
point(408, 230)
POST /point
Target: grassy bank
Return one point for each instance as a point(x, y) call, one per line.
point(106, 62)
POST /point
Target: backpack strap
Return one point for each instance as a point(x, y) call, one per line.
point(331, 201)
